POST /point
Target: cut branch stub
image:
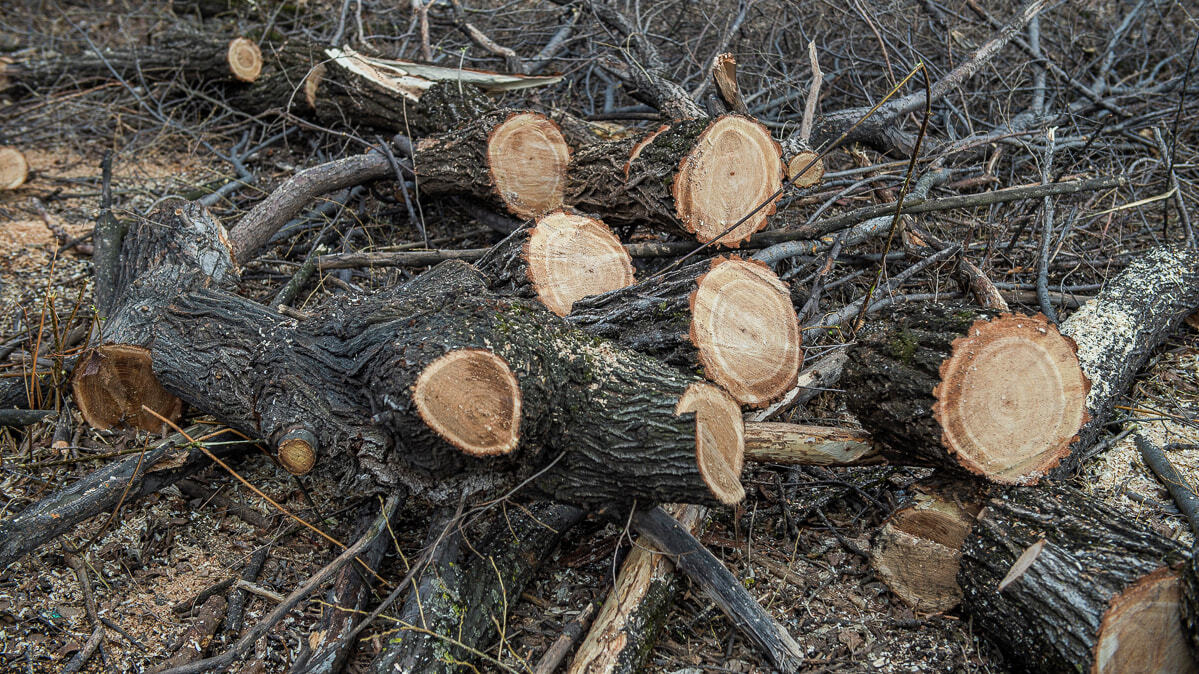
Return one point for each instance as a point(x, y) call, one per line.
point(812, 176)
point(734, 166)
point(472, 400)
point(1011, 398)
point(571, 256)
point(744, 327)
point(528, 157)
point(719, 439)
point(13, 168)
point(297, 450)
point(245, 59)
point(112, 382)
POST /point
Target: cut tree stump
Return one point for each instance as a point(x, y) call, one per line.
point(14, 169)
point(996, 395)
point(1064, 583)
point(562, 258)
point(732, 317)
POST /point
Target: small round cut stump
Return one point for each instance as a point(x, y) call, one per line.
point(1011, 399)
point(111, 383)
point(734, 167)
point(572, 256)
point(472, 400)
point(1142, 630)
point(245, 59)
point(13, 168)
point(745, 329)
point(719, 439)
point(812, 176)
point(528, 157)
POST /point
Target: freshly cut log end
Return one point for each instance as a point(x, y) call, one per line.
point(111, 383)
point(528, 158)
point(1012, 398)
point(14, 170)
point(734, 167)
point(744, 327)
point(572, 256)
point(245, 59)
point(719, 439)
point(472, 400)
point(812, 176)
point(640, 145)
point(297, 451)
point(1141, 631)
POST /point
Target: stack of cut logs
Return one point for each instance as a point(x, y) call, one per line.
point(549, 365)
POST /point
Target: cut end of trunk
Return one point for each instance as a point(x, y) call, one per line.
point(572, 256)
point(1011, 399)
point(297, 451)
point(245, 59)
point(812, 176)
point(528, 158)
point(719, 439)
point(734, 167)
point(14, 170)
point(745, 329)
point(1142, 630)
point(636, 151)
point(112, 382)
point(472, 400)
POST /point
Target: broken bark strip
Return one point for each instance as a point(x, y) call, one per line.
point(515, 160)
point(796, 445)
point(193, 56)
point(121, 482)
point(730, 316)
point(561, 259)
point(694, 560)
point(1062, 582)
point(623, 634)
point(462, 607)
point(14, 169)
point(969, 390)
point(696, 178)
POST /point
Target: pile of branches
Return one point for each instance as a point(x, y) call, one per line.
point(633, 334)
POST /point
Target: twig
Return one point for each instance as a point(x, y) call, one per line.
point(1175, 482)
point(556, 653)
point(76, 663)
point(1046, 231)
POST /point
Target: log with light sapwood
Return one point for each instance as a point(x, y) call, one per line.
point(561, 258)
point(918, 550)
point(732, 317)
point(1062, 582)
point(799, 445)
point(14, 169)
point(695, 177)
point(967, 389)
point(515, 160)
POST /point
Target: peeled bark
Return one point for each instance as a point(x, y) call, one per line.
point(1063, 583)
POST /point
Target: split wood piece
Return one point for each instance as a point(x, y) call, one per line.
point(696, 177)
point(724, 76)
point(967, 389)
point(14, 170)
point(623, 634)
point(562, 258)
point(460, 606)
point(797, 445)
point(694, 560)
point(1062, 582)
point(730, 316)
point(517, 160)
point(918, 550)
point(111, 383)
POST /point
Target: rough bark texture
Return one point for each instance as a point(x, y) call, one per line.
point(1051, 617)
point(339, 96)
point(1190, 600)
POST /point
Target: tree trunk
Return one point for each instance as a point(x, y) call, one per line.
point(1064, 583)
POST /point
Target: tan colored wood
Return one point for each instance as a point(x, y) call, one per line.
point(796, 445)
point(14, 170)
point(734, 167)
point(571, 256)
point(1012, 398)
point(471, 399)
point(312, 84)
point(297, 451)
point(1142, 630)
point(719, 439)
point(528, 158)
point(112, 382)
point(744, 327)
point(724, 75)
point(245, 59)
point(810, 177)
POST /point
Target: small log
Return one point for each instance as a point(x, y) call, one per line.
point(1063, 583)
point(732, 317)
point(562, 258)
point(969, 390)
point(14, 169)
point(796, 445)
